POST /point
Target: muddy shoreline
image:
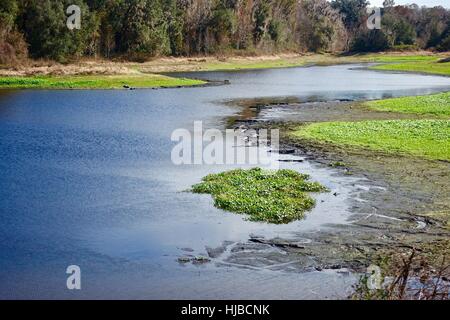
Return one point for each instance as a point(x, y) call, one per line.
point(396, 206)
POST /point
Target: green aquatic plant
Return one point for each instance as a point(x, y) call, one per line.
point(270, 196)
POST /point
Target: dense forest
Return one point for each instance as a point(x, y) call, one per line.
point(139, 29)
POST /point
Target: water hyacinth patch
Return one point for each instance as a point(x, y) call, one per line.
point(426, 138)
point(271, 196)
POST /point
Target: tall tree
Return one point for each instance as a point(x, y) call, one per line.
point(139, 29)
point(143, 29)
point(319, 23)
point(44, 25)
point(12, 44)
point(353, 15)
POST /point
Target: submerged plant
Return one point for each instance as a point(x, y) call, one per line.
point(271, 196)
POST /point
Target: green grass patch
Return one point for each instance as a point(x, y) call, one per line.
point(248, 65)
point(404, 62)
point(422, 66)
point(436, 105)
point(95, 82)
point(271, 196)
point(400, 58)
point(425, 138)
point(408, 63)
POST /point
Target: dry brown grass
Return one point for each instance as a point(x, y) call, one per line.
point(185, 64)
point(88, 67)
point(156, 65)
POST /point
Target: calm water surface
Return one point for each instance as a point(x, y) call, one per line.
point(86, 179)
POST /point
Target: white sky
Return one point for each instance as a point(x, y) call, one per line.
point(428, 3)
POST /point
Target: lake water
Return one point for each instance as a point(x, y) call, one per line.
point(87, 179)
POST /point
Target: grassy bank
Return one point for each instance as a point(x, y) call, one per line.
point(270, 196)
point(413, 63)
point(211, 63)
point(432, 67)
point(400, 58)
point(436, 105)
point(95, 82)
point(425, 138)
point(248, 64)
point(104, 74)
point(276, 61)
point(293, 60)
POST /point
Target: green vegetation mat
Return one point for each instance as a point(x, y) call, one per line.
point(95, 82)
point(271, 196)
point(425, 138)
point(422, 64)
point(436, 105)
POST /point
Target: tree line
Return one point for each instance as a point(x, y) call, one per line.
point(139, 29)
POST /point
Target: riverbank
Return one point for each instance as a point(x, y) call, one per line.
point(402, 205)
point(96, 82)
point(416, 64)
point(426, 137)
point(102, 74)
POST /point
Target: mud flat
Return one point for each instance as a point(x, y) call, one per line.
point(397, 202)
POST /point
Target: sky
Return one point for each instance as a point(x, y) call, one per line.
point(428, 3)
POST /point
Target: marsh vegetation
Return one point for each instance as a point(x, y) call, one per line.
point(271, 196)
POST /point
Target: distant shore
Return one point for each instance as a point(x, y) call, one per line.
point(104, 74)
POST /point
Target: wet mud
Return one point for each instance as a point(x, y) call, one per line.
point(399, 203)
